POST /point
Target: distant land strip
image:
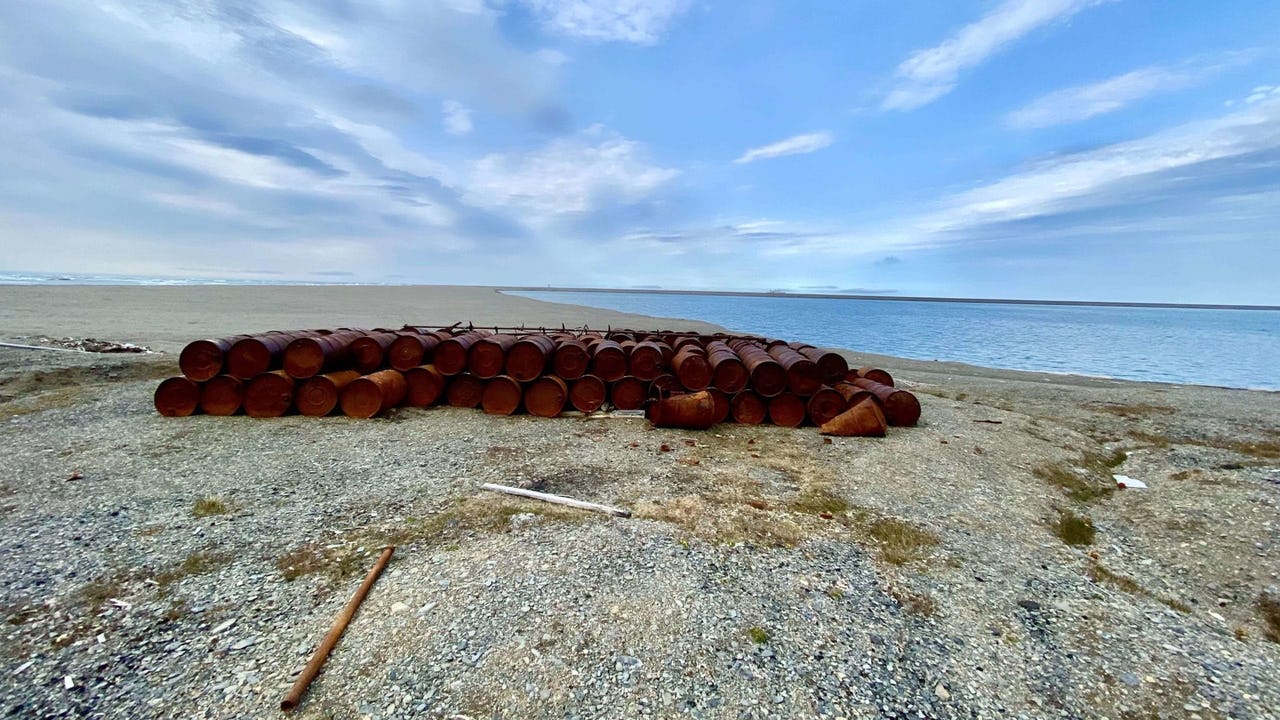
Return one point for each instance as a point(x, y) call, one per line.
point(905, 298)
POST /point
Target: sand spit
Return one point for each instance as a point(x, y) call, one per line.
point(980, 564)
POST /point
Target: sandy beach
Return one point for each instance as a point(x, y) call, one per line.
point(982, 564)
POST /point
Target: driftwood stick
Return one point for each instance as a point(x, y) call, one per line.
point(558, 499)
point(326, 646)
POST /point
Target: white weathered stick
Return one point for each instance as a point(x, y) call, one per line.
point(558, 499)
point(39, 347)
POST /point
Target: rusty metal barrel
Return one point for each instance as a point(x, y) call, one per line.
point(464, 390)
point(369, 351)
point(256, 354)
point(683, 341)
point(646, 361)
point(373, 394)
point(728, 374)
point(310, 356)
point(546, 396)
point(530, 357)
point(803, 376)
point(451, 354)
point(608, 361)
point(664, 385)
point(863, 419)
point(721, 400)
point(412, 349)
point(501, 396)
point(177, 397)
point(853, 394)
point(221, 395)
point(831, 365)
point(268, 395)
point(424, 384)
point(748, 408)
point(628, 393)
point(901, 408)
point(621, 336)
point(488, 356)
point(691, 367)
point(319, 395)
point(787, 410)
point(875, 375)
point(202, 359)
point(825, 404)
point(768, 378)
point(587, 393)
point(692, 411)
point(571, 359)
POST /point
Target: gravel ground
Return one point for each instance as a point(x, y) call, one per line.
point(155, 567)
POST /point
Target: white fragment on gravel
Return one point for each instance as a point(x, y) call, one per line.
point(24, 666)
point(399, 607)
point(223, 627)
point(1124, 481)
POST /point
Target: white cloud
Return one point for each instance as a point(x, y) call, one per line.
point(931, 73)
point(795, 145)
point(1262, 93)
point(634, 21)
point(1085, 101)
point(570, 175)
point(457, 118)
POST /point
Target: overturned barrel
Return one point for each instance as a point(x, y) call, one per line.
point(692, 411)
point(748, 408)
point(767, 377)
point(587, 393)
point(546, 396)
point(875, 374)
point(319, 395)
point(412, 349)
point(256, 354)
point(787, 410)
point(608, 361)
point(202, 359)
point(571, 359)
point(451, 354)
point(824, 404)
point(268, 395)
point(722, 405)
point(369, 351)
point(501, 396)
point(691, 367)
point(373, 394)
point(728, 374)
point(803, 376)
point(530, 357)
point(647, 361)
point(901, 408)
point(488, 356)
point(177, 397)
point(831, 364)
point(464, 390)
point(310, 356)
point(629, 393)
point(221, 395)
point(424, 386)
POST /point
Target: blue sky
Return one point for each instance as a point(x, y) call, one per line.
point(1071, 149)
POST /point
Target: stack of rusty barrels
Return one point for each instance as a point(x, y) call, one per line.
point(363, 373)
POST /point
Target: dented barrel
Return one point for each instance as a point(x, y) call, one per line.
point(692, 411)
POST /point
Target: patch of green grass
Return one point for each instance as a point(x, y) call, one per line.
point(1088, 479)
point(758, 635)
point(197, 563)
point(1074, 529)
point(1151, 439)
point(1103, 576)
point(1269, 607)
point(207, 506)
point(900, 542)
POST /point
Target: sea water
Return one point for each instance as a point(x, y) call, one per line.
point(1231, 348)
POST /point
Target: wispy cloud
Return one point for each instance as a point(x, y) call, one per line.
point(795, 145)
point(457, 118)
point(634, 21)
point(933, 72)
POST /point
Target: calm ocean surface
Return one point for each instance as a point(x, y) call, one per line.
point(1232, 348)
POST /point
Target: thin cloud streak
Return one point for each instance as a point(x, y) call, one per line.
point(795, 145)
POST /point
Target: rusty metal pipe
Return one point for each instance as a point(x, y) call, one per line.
point(312, 669)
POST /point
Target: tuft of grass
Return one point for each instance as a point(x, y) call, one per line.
point(197, 563)
point(1185, 474)
point(758, 635)
point(1269, 607)
point(816, 500)
point(97, 592)
point(912, 601)
point(1088, 480)
point(1103, 576)
point(900, 542)
point(1151, 439)
point(1074, 529)
point(1131, 411)
point(207, 506)
point(728, 523)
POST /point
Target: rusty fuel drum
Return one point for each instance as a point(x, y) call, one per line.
point(825, 404)
point(692, 411)
point(319, 395)
point(309, 356)
point(530, 357)
point(691, 368)
point(587, 393)
point(501, 395)
point(901, 408)
point(369, 352)
point(831, 364)
point(268, 395)
point(424, 384)
point(646, 361)
point(728, 374)
point(222, 395)
point(629, 393)
point(875, 375)
point(412, 349)
point(663, 385)
point(722, 405)
point(257, 354)
point(608, 361)
point(863, 419)
point(202, 359)
point(373, 394)
point(177, 397)
point(803, 376)
point(571, 359)
point(768, 378)
point(546, 396)
point(748, 408)
point(451, 354)
point(464, 391)
point(488, 356)
point(786, 410)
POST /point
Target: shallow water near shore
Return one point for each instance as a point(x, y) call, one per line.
point(1229, 348)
